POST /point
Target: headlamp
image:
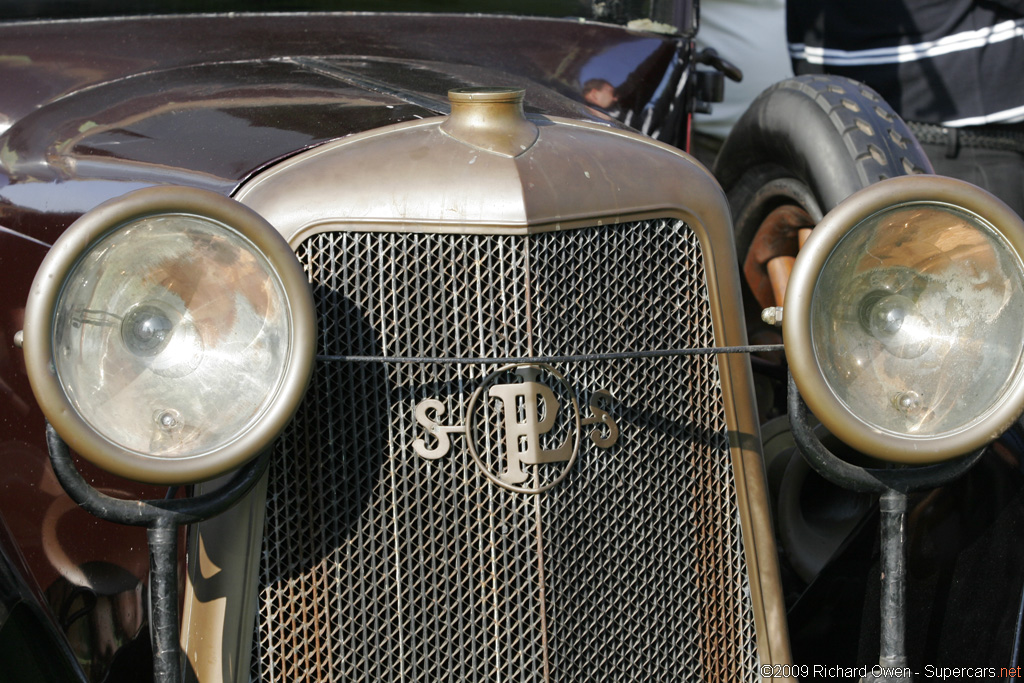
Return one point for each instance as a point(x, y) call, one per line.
point(904, 319)
point(169, 335)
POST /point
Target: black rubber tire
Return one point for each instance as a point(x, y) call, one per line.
point(809, 142)
point(824, 137)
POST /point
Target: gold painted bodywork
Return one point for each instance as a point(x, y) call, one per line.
point(466, 174)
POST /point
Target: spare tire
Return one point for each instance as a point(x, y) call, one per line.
point(808, 143)
point(804, 145)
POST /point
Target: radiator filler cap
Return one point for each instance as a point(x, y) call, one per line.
point(491, 120)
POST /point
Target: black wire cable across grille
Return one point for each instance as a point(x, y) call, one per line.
point(381, 565)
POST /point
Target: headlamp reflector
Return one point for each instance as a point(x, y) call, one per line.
point(904, 319)
point(169, 335)
point(917, 320)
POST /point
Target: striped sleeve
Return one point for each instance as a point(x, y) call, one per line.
point(953, 63)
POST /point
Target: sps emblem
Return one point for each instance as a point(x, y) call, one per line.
point(520, 421)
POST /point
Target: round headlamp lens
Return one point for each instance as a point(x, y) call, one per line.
point(171, 335)
point(917, 319)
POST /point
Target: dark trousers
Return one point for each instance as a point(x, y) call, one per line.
point(1000, 171)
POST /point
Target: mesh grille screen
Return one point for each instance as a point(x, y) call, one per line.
point(379, 564)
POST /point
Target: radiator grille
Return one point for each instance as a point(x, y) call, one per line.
point(381, 565)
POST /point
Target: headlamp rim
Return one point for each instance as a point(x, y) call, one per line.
point(50, 281)
point(796, 325)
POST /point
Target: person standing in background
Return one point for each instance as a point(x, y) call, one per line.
point(752, 35)
point(952, 69)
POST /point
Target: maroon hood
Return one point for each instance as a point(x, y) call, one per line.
point(95, 108)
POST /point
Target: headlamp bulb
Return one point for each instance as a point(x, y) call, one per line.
point(146, 329)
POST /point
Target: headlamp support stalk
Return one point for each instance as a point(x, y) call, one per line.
point(162, 518)
point(893, 485)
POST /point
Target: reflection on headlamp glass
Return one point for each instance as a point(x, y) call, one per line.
point(919, 319)
point(171, 335)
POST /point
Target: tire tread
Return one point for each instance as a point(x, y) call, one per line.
point(871, 123)
point(877, 142)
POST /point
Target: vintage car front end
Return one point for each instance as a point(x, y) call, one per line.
point(446, 384)
point(521, 452)
point(518, 454)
